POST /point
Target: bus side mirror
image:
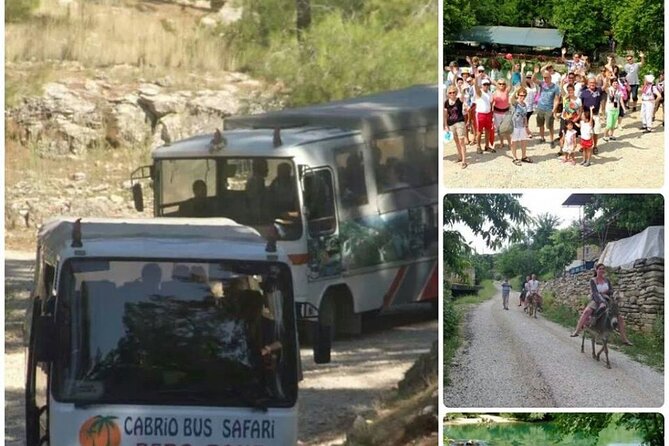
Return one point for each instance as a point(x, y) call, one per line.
point(322, 343)
point(138, 197)
point(45, 339)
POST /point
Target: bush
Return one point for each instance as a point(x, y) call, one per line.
point(19, 10)
point(340, 56)
point(451, 318)
point(658, 333)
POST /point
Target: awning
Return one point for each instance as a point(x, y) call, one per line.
point(649, 243)
point(513, 35)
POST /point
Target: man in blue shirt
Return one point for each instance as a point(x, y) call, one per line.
point(549, 98)
point(506, 290)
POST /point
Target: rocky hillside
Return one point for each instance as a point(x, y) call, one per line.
point(70, 150)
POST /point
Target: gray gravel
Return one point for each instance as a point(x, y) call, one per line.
point(634, 160)
point(512, 360)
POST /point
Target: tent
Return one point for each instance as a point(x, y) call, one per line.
point(624, 252)
point(513, 36)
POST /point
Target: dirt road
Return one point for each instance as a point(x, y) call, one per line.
point(634, 160)
point(512, 360)
point(331, 395)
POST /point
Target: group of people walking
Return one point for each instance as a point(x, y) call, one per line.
point(481, 105)
point(529, 287)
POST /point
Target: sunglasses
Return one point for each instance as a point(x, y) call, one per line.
point(451, 92)
point(522, 95)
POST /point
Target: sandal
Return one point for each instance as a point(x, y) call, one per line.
point(542, 140)
point(490, 149)
point(526, 160)
point(517, 162)
point(464, 165)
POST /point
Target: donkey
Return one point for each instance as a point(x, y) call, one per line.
point(600, 327)
point(532, 304)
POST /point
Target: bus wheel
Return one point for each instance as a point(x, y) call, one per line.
point(328, 314)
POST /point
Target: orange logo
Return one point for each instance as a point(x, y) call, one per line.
point(100, 431)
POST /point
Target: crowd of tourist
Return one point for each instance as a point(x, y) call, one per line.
point(482, 105)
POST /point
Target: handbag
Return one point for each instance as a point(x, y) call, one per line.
point(506, 126)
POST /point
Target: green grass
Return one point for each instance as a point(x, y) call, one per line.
point(454, 310)
point(648, 348)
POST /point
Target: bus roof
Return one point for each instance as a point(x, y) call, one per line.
point(159, 237)
point(384, 112)
point(246, 142)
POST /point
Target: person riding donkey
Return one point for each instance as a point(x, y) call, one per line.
point(523, 292)
point(533, 290)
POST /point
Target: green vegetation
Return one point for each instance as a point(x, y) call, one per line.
point(351, 47)
point(454, 311)
point(19, 10)
point(649, 425)
point(633, 212)
point(587, 24)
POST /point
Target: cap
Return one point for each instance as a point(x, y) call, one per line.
point(649, 78)
point(485, 81)
point(465, 70)
point(481, 68)
point(528, 74)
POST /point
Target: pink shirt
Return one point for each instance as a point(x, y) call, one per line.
point(501, 99)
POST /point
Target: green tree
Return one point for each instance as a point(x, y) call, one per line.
point(649, 425)
point(518, 260)
point(628, 17)
point(458, 16)
point(542, 229)
point(583, 22)
point(633, 212)
point(560, 250)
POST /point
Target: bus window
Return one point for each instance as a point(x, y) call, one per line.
point(319, 200)
point(351, 173)
point(252, 191)
point(405, 159)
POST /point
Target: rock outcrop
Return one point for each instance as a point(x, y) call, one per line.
point(73, 116)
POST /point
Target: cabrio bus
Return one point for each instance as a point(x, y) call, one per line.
point(161, 332)
point(349, 189)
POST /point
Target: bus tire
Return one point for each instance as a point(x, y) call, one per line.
point(337, 311)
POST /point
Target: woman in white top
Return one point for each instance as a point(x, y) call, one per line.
point(649, 94)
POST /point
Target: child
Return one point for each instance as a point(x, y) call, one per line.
point(568, 143)
point(586, 136)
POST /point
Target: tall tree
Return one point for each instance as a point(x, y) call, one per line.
point(633, 212)
point(542, 229)
point(494, 217)
point(649, 425)
point(303, 17)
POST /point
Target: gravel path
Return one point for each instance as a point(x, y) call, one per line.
point(512, 360)
point(363, 368)
point(634, 160)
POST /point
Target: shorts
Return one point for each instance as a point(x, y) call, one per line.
point(545, 117)
point(458, 130)
point(596, 125)
point(612, 119)
point(484, 121)
point(529, 113)
point(634, 94)
point(587, 143)
point(519, 134)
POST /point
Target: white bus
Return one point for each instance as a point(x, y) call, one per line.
point(350, 187)
point(161, 332)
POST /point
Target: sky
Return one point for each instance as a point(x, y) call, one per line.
point(537, 202)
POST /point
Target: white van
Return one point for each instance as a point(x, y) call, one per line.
point(349, 189)
point(161, 332)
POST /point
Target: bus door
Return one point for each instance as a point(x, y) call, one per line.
point(38, 365)
point(323, 243)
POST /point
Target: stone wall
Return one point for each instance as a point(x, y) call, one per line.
point(639, 290)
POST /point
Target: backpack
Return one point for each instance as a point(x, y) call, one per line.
point(506, 126)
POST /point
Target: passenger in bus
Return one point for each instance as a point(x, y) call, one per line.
point(196, 206)
point(354, 191)
point(256, 193)
point(147, 285)
point(395, 173)
point(283, 193)
point(179, 287)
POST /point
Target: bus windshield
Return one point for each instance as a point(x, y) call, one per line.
point(172, 332)
point(252, 191)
